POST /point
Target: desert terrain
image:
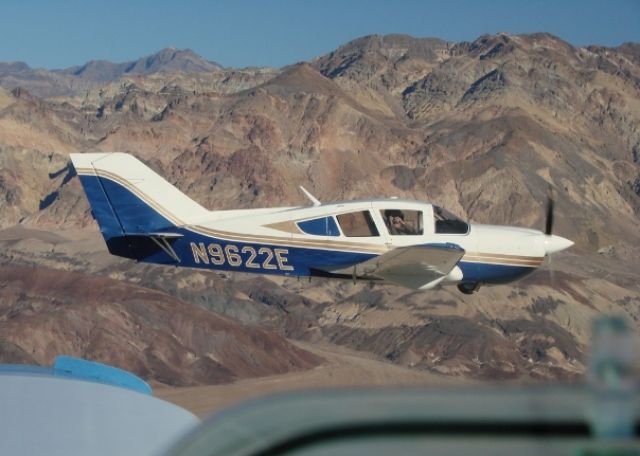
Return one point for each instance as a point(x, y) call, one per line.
point(482, 128)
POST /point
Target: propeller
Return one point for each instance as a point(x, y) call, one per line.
point(548, 226)
point(552, 242)
point(548, 229)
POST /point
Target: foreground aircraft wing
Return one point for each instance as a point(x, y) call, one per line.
point(79, 407)
point(416, 266)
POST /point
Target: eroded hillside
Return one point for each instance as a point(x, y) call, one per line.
point(482, 128)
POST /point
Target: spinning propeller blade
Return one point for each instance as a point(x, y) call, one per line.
point(550, 205)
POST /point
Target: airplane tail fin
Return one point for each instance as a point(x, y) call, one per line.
point(130, 200)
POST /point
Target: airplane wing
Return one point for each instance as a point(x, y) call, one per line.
point(417, 266)
point(79, 407)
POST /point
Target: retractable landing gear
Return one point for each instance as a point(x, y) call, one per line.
point(469, 287)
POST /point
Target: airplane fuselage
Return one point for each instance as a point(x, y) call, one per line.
point(355, 239)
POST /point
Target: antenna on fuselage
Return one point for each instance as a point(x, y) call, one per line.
point(314, 200)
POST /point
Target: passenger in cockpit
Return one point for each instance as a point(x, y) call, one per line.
point(396, 224)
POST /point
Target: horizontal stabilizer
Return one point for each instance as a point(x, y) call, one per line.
point(162, 240)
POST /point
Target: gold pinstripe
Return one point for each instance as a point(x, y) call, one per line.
point(347, 246)
point(496, 258)
point(140, 194)
point(505, 261)
point(288, 226)
point(502, 255)
point(85, 171)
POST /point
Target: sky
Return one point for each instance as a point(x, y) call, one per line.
point(240, 33)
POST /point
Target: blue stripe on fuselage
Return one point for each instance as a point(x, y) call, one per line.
point(196, 250)
point(493, 273)
point(303, 260)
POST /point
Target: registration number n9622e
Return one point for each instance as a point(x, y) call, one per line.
point(241, 256)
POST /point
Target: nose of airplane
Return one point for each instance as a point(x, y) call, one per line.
point(553, 244)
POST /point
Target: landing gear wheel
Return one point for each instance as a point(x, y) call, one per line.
point(469, 287)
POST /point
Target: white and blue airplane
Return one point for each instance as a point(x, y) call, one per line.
point(405, 242)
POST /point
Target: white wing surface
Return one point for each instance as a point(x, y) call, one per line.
point(416, 266)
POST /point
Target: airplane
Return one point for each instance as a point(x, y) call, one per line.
point(405, 242)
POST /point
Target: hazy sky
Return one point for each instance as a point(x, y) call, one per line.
point(58, 34)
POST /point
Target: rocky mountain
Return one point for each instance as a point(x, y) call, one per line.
point(77, 80)
point(168, 60)
point(45, 313)
point(482, 128)
point(13, 67)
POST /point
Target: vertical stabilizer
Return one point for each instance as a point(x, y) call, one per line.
point(128, 198)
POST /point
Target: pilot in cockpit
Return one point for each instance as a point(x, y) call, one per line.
point(395, 222)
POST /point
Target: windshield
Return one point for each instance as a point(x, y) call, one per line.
point(447, 223)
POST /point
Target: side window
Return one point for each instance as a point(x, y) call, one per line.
point(357, 224)
point(403, 222)
point(324, 226)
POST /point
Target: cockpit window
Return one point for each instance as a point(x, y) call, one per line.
point(357, 224)
point(403, 222)
point(447, 223)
